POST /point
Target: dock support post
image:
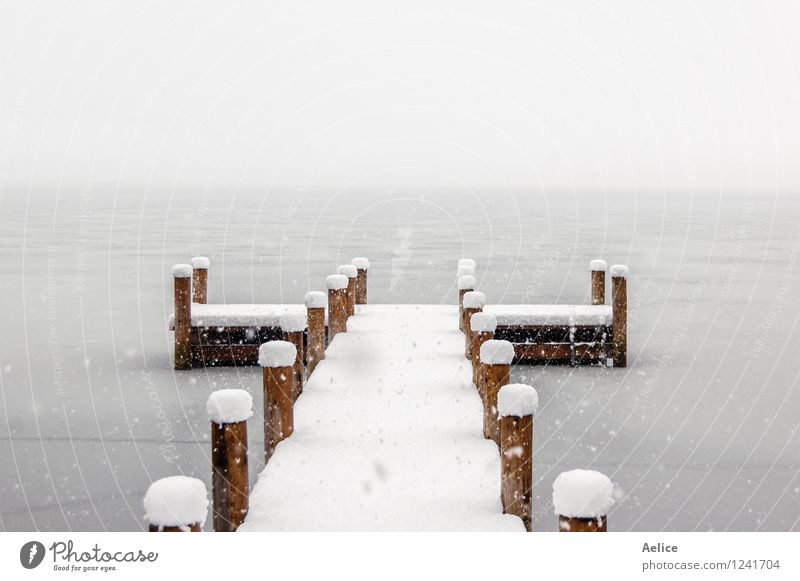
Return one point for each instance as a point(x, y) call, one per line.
point(277, 360)
point(200, 279)
point(315, 302)
point(465, 284)
point(582, 500)
point(337, 305)
point(351, 272)
point(516, 405)
point(228, 411)
point(182, 275)
point(473, 303)
point(362, 264)
point(483, 326)
point(598, 281)
point(619, 307)
point(176, 504)
point(496, 356)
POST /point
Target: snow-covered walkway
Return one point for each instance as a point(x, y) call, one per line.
point(387, 435)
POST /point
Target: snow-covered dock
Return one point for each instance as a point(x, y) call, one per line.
point(387, 435)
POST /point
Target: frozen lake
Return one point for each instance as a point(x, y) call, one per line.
point(699, 432)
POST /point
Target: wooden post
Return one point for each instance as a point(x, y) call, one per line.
point(200, 279)
point(277, 359)
point(598, 284)
point(176, 504)
point(362, 264)
point(473, 303)
point(619, 307)
point(315, 302)
point(516, 404)
point(337, 305)
point(582, 500)
point(182, 274)
point(351, 272)
point(465, 284)
point(293, 326)
point(483, 327)
point(228, 410)
point(496, 357)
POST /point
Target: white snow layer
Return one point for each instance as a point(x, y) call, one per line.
point(227, 406)
point(316, 300)
point(465, 270)
point(582, 494)
point(551, 314)
point(277, 354)
point(201, 262)
point(619, 271)
point(233, 315)
point(517, 399)
point(336, 281)
point(182, 271)
point(176, 501)
point(360, 263)
point(367, 455)
point(467, 282)
point(467, 262)
point(497, 352)
point(293, 322)
point(483, 322)
point(474, 300)
point(349, 270)
point(598, 264)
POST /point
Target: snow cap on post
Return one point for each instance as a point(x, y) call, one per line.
point(316, 300)
point(582, 494)
point(483, 323)
point(517, 399)
point(229, 406)
point(467, 282)
point(336, 281)
point(465, 270)
point(619, 271)
point(277, 354)
point(497, 352)
point(182, 271)
point(176, 501)
point(293, 322)
point(474, 300)
point(597, 264)
point(467, 262)
point(200, 262)
point(348, 270)
point(360, 263)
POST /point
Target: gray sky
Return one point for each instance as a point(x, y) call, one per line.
point(588, 95)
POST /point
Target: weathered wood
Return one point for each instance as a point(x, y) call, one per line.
point(552, 333)
point(235, 335)
point(316, 337)
point(279, 392)
point(351, 296)
point(192, 528)
point(461, 294)
point(558, 353)
point(582, 525)
point(516, 467)
point(297, 338)
point(224, 355)
point(199, 285)
point(361, 287)
point(230, 477)
point(183, 322)
point(496, 377)
point(337, 312)
point(468, 334)
point(598, 287)
point(478, 372)
point(619, 305)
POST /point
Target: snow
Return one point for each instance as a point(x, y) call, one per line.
point(483, 323)
point(200, 262)
point(474, 300)
point(293, 322)
point(387, 436)
point(583, 494)
point(349, 270)
point(360, 263)
point(228, 406)
point(598, 264)
point(316, 300)
point(466, 262)
point(176, 501)
point(336, 282)
point(517, 399)
point(465, 270)
point(619, 271)
point(497, 352)
point(551, 314)
point(277, 354)
point(222, 315)
point(182, 271)
point(466, 282)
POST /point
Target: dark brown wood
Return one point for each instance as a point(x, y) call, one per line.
point(361, 287)
point(200, 285)
point(558, 353)
point(192, 528)
point(478, 339)
point(582, 525)
point(235, 335)
point(468, 331)
point(224, 355)
point(183, 322)
point(278, 407)
point(297, 338)
point(230, 476)
point(496, 377)
point(316, 337)
point(619, 306)
point(598, 287)
point(516, 467)
point(337, 312)
point(551, 333)
point(461, 294)
point(351, 296)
